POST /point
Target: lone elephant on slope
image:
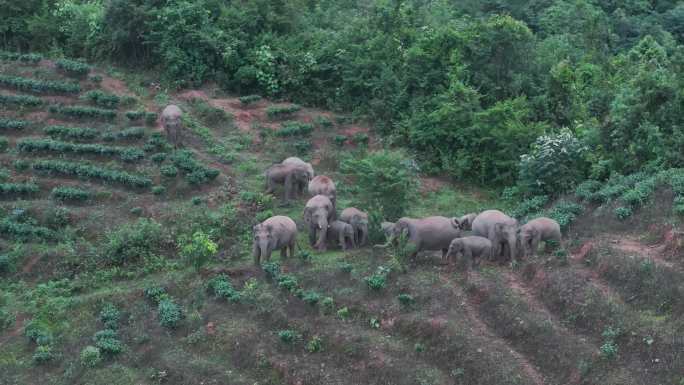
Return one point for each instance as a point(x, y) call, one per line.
point(537, 230)
point(318, 214)
point(292, 177)
point(431, 233)
point(359, 222)
point(322, 185)
point(275, 233)
point(501, 230)
point(171, 118)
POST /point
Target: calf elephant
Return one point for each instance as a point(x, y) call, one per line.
point(387, 229)
point(431, 233)
point(322, 185)
point(501, 230)
point(171, 118)
point(341, 233)
point(293, 177)
point(470, 248)
point(297, 161)
point(318, 213)
point(275, 233)
point(467, 221)
point(359, 222)
point(536, 230)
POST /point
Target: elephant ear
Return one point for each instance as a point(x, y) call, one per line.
point(269, 228)
point(457, 223)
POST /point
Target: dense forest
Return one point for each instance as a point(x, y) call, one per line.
point(540, 93)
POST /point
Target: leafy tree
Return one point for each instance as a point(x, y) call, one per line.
point(198, 249)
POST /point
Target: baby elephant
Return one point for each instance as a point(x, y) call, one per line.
point(275, 233)
point(470, 248)
point(341, 233)
point(359, 222)
point(536, 230)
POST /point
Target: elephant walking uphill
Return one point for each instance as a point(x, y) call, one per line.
point(318, 214)
point(171, 118)
point(323, 185)
point(501, 230)
point(431, 233)
point(275, 233)
point(537, 230)
point(296, 161)
point(359, 223)
point(292, 176)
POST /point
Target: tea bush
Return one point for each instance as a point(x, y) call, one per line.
point(133, 133)
point(12, 124)
point(20, 100)
point(360, 139)
point(170, 314)
point(81, 112)
point(31, 58)
point(159, 157)
point(158, 190)
point(151, 118)
point(327, 305)
point(102, 99)
point(288, 336)
point(279, 112)
point(249, 99)
point(7, 264)
point(272, 270)
point(70, 194)
point(75, 133)
point(169, 171)
point(314, 345)
point(406, 299)
point(29, 188)
point(339, 140)
point(90, 171)
point(195, 172)
point(90, 356)
point(155, 293)
point(72, 67)
point(323, 122)
point(43, 354)
point(25, 231)
point(587, 190)
point(530, 206)
point(311, 297)
point(288, 282)
point(378, 280)
point(289, 129)
point(38, 86)
point(343, 313)
point(107, 341)
point(623, 213)
point(208, 114)
point(110, 316)
point(137, 241)
point(221, 287)
point(127, 154)
point(564, 213)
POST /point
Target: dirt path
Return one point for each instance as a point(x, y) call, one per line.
point(481, 329)
point(577, 260)
point(656, 252)
point(29, 265)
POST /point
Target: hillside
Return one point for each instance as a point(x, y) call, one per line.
point(97, 210)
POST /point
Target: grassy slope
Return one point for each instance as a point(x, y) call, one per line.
point(542, 323)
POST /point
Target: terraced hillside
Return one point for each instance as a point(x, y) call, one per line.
point(103, 224)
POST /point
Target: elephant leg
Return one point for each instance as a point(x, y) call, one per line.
point(288, 188)
point(256, 253)
point(468, 258)
point(535, 246)
point(322, 246)
point(444, 253)
point(312, 236)
point(283, 252)
point(292, 248)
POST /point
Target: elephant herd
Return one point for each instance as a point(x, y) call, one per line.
point(491, 234)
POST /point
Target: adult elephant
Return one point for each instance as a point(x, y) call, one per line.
point(537, 230)
point(359, 222)
point(292, 177)
point(171, 119)
point(297, 161)
point(501, 230)
point(431, 233)
point(318, 214)
point(323, 185)
point(275, 233)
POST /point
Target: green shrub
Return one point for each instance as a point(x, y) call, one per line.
point(38, 86)
point(198, 250)
point(96, 79)
point(564, 213)
point(82, 112)
point(11, 124)
point(57, 217)
point(70, 194)
point(150, 118)
point(343, 313)
point(77, 133)
point(137, 211)
point(195, 172)
point(133, 133)
point(249, 99)
point(90, 356)
point(623, 213)
point(155, 293)
point(107, 341)
point(7, 264)
point(587, 190)
point(302, 147)
point(20, 100)
point(170, 314)
point(288, 282)
point(323, 122)
point(197, 201)
point(43, 354)
point(110, 316)
point(10, 189)
point(208, 114)
point(406, 299)
point(327, 305)
point(221, 287)
point(7, 319)
point(360, 139)
point(339, 140)
point(101, 98)
point(90, 171)
point(25, 231)
point(279, 112)
point(137, 241)
point(159, 157)
point(376, 281)
point(38, 333)
point(272, 270)
point(127, 154)
point(135, 115)
point(314, 345)
point(158, 190)
point(288, 336)
point(169, 171)
point(288, 129)
point(311, 297)
point(72, 67)
point(530, 206)
point(30, 58)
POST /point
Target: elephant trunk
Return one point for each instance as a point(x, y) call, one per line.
point(265, 250)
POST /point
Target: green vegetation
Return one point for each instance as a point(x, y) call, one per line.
point(18, 188)
point(280, 112)
point(20, 100)
point(249, 99)
point(294, 129)
point(90, 171)
point(126, 154)
point(38, 86)
point(101, 99)
point(70, 194)
point(12, 124)
point(74, 133)
point(80, 112)
point(72, 67)
point(195, 172)
point(31, 58)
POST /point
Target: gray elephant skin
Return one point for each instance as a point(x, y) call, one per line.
point(323, 185)
point(387, 229)
point(275, 233)
point(537, 230)
point(501, 230)
point(292, 177)
point(171, 119)
point(341, 233)
point(470, 248)
point(466, 221)
point(431, 233)
point(318, 214)
point(359, 223)
point(297, 161)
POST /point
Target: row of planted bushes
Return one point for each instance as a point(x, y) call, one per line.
point(82, 112)
point(18, 188)
point(31, 58)
point(101, 98)
point(72, 67)
point(20, 100)
point(39, 86)
point(25, 231)
point(132, 133)
point(86, 133)
point(149, 117)
point(127, 154)
point(195, 172)
point(70, 194)
point(294, 129)
point(13, 124)
point(90, 171)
